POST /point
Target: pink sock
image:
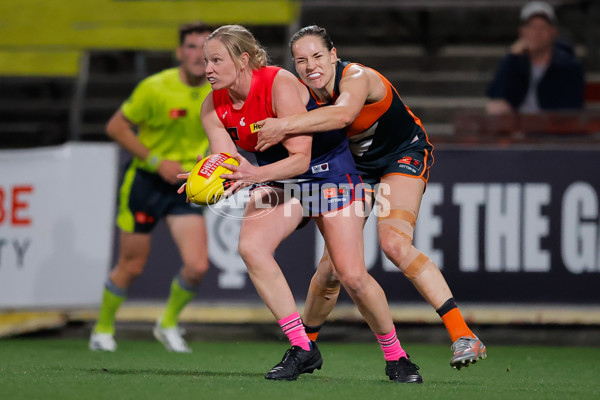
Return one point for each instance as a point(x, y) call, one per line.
point(392, 351)
point(294, 329)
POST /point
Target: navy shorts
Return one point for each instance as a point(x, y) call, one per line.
point(414, 161)
point(145, 198)
point(321, 196)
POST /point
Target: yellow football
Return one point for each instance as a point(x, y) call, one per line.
point(205, 186)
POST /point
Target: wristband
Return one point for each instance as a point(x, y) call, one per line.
point(152, 162)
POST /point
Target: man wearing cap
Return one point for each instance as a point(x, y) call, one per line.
point(539, 73)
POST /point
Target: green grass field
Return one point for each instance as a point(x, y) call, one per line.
point(51, 368)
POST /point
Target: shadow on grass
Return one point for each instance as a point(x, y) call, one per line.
point(316, 378)
point(163, 372)
point(212, 374)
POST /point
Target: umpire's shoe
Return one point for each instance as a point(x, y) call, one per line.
point(403, 371)
point(296, 361)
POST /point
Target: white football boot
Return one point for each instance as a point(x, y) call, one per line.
point(102, 342)
point(171, 338)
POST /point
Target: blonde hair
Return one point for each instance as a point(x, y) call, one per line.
point(238, 40)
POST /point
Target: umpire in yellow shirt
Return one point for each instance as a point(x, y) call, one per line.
point(165, 107)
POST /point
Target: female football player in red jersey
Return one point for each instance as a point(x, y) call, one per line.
point(246, 90)
point(390, 147)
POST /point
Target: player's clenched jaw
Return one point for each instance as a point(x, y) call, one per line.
point(314, 63)
point(221, 70)
point(191, 56)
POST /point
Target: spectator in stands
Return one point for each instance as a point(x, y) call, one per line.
point(540, 73)
point(165, 107)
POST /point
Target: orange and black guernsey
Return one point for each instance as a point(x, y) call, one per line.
point(383, 131)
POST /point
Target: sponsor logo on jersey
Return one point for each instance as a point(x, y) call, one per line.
point(254, 127)
point(242, 122)
point(410, 164)
point(338, 192)
point(316, 169)
point(211, 164)
point(410, 161)
point(175, 113)
point(329, 193)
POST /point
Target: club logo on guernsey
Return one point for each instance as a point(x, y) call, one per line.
point(175, 113)
point(233, 132)
point(315, 169)
point(211, 164)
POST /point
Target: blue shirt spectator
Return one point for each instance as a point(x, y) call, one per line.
point(540, 73)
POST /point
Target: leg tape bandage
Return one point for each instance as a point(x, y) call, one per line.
point(418, 265)
point(410, 261)
point(400, 221)
point(403, 215)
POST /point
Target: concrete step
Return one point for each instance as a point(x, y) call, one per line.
point(414, 82)
point(34, 110)
point(94, 131)
point(431, 24)
point(467, 57)
point(435, 130)
point(14, 88)
point(111, 85)
point(99, 110)
point(440, 84)
point(26, 134)
point(441, 110)
point(390, 58)
point(400, 24)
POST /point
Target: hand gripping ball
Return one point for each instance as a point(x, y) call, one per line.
point(205, 186)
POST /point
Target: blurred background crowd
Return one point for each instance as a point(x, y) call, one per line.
point(65, 66)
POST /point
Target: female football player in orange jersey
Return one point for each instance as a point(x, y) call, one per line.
point(390, 147)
